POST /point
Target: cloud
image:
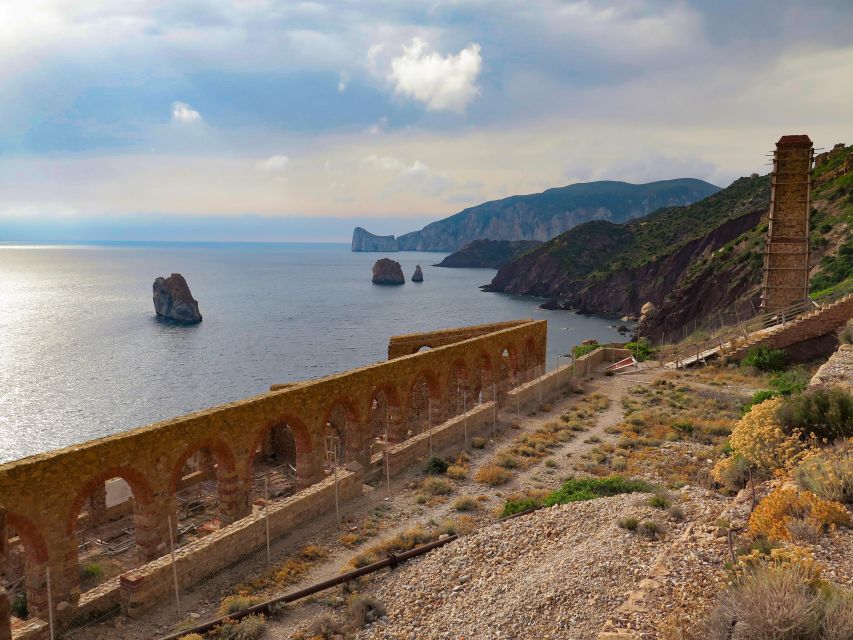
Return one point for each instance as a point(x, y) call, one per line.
point(385, 163)
point(184, 113)
point(441, 83)
point(343, 81)
point(275, 163)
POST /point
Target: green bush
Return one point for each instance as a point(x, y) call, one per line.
point(436, 466)
point(578, 489)
point(19, 606)
point(583, 349)
point(826, 413)
point(249, 628)
point(91, 571)
point(641, 350)
point(787, 383)
point(629, 523)
point(757, 398)
point(437, 487)
point(512, 507)
point(765, 359)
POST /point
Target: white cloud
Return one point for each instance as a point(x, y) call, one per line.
point(343, 81)
point(184, 113)
point(385, 163)
point(441, 83)
point(275, 163)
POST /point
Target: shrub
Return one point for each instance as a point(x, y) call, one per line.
point(629, 523)
point(659, 501)
point(759, 438)
point(249, 628)
point(326, 627)
point(676, 513)
point(578, 489)
point(437, 487)
point(757, 398)
point(192, 636)
point(404, 541)
point(583, 349)
point(233, 604)
point(641, 350)
point(650, 529)
point(492, 475)
point(312, 552)
point(838, 615)
point(765, 359)
point(465, 503)
point(511, 507)
point(436, 466)
point(551, 463)
point(828, 474)
point(19, 607)
point(732, 472)
point(507, 460)
point(826, 413)
point(479, 443)
point(92, 571)
point(365, 609)
point(789, 382)
point(457, 472)
point(773, 515)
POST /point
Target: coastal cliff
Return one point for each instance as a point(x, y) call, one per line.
point(488, 254)
point(542, 216)
point(363, 240)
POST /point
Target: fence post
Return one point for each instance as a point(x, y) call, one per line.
point(465, 415)
point(429, 424)
point(267, 513)
point(387, 461)
point(49, 603)
point(494, 410)
point(174, 567)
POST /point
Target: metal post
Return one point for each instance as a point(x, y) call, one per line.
point(465, 415)
point(539, 383)
point(387, 461)
point(267, 513)
point(494, 411)
point(337, 503)
point(517, 404)
point(49, 603)
point(429, 424)
point(174, 567)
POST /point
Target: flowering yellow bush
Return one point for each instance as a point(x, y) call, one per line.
point(759, 438)
point(773, 515)
point(780, 558)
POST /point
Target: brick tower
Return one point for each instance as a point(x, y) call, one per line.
point(786, 255)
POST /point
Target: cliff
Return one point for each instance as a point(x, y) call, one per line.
point(363, 240)
point(541, 216)
point(689, 262)
point(491, 254)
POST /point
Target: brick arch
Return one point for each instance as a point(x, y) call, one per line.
point(35, 547)
point(459, 376)
point(302, 438)
point(222, 452)
point(354, 440)
point(143, 494)
point(416, 416)
point(376, 423)
point(529, 359)
point(482, 376)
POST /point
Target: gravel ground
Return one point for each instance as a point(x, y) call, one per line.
point(556, 573)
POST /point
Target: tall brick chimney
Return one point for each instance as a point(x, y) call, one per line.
point(786, 254)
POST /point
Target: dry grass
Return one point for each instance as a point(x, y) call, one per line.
point(492, 475)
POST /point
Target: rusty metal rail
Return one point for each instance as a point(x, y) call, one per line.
point(391, 561)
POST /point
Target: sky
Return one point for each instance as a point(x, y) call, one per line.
point(287, 120)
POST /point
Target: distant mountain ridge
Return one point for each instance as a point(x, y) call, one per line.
point(542, 216)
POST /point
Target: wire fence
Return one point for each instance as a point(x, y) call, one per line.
point(205, 554)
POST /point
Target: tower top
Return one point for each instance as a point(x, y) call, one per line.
point(800, 140)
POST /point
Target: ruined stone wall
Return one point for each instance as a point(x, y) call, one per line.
point(45, 494)
point(786, 254)
point(412, 342)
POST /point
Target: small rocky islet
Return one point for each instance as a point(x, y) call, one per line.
point(174, 301)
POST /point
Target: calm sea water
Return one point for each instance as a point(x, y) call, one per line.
point(82, 354)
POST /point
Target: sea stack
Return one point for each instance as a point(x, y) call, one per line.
point(418, 275)
point(387, 271)
point(173, 300)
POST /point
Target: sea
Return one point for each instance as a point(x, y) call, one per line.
point(83, 355)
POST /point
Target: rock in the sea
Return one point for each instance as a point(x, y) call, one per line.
point(363, 240)
point(387, 271)
point(418, 275)
point(173, 300)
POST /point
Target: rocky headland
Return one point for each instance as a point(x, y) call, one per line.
point(488, 254)
point(363, 240)
point(173, 300)
point(387, 271)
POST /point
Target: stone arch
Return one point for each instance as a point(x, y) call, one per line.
point(422, 349)
point(341, 423)
point(423, 402)
point(383, 414)
point(285, 441)
point(507, 369)
point(458, 392)
point(482, 378)
point(216, 460)
point(35, 561)
point(127, 532)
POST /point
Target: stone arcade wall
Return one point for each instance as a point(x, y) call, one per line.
point(45, 494)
